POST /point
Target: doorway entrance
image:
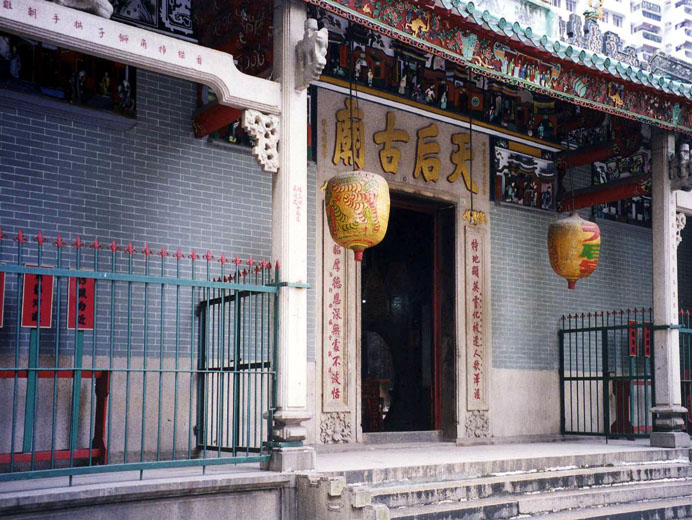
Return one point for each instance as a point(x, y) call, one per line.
point(407, 294)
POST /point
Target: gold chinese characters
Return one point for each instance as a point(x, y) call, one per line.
point(349, 148)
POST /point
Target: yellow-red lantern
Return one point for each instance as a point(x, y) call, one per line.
point(574, 245)
point(357, 207)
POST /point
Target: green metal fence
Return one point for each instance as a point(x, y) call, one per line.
point(606, 373)
point(113, 359)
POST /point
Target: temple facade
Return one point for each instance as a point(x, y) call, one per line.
point(173, 292)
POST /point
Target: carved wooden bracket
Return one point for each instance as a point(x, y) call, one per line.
point(264, 129)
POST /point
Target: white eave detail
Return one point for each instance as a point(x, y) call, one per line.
point(83, 32)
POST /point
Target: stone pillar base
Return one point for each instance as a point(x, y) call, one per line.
point(291, 459)
point(670, 440)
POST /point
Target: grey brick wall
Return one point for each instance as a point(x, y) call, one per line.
point(528, 298)
point(155, 183)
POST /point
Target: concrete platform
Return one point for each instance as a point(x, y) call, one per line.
point(176, 492)
point(347, 457)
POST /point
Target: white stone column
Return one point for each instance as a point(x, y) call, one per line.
point(668, 410)
point(289, 244)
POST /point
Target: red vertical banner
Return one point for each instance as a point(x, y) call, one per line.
point(30, 301)
point(2, 299)
point(647, 342)
point(84, 307)
point(634, 340)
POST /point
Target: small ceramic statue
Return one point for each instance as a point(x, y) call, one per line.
point(125, 95)
point(430, 94)
point(105, 85)
point(77, 87)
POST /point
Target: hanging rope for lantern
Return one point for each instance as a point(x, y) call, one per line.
point(356, 202)
point(574, 244)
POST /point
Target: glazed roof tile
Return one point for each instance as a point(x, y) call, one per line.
point(565, 51)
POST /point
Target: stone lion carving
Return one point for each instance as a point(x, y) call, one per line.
point(102, 8)
point(312, 54)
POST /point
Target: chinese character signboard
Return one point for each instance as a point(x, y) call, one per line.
point(335, 356)
point(84, 307)
point(405, 147)
point(477, 297)
point(30, 301)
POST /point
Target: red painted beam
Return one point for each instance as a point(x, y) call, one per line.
point(613, 191)
point(213, 116)
point(42, 456)
point(628, 139)
point(48, 373)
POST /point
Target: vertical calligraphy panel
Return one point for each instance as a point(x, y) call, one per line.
point(335, 352)
point(2, 299)
point(477, 300)
point(30, 300)
point(85, 304)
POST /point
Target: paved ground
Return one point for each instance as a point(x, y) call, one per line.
point(358, 456)
point(396, 455)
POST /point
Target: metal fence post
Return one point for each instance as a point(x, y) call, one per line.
point(606, 383)
point(561, 337)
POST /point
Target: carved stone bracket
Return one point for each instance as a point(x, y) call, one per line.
point(264, 129)
point(312, 54)
point(335, 427)
point(680, 222)
point(477, 424)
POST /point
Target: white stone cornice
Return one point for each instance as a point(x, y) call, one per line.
point(84, 32)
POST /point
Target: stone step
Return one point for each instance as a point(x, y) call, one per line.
point(544, 503)
point(594, 497)
point(678, 508)
point(384, 476)
point(407, 495)
point(402, 437)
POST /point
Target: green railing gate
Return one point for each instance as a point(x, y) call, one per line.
point(606, 373)
point(234, 359)
point(116, 359)
point(686, 366)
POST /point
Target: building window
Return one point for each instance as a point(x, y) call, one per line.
point(651, 7)
point(617, 20)
point(557, 3)
point(605, 16)
point(651, 16)
point(651, 37)
point(571, 5)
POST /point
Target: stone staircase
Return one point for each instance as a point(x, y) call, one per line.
point(645, 484)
